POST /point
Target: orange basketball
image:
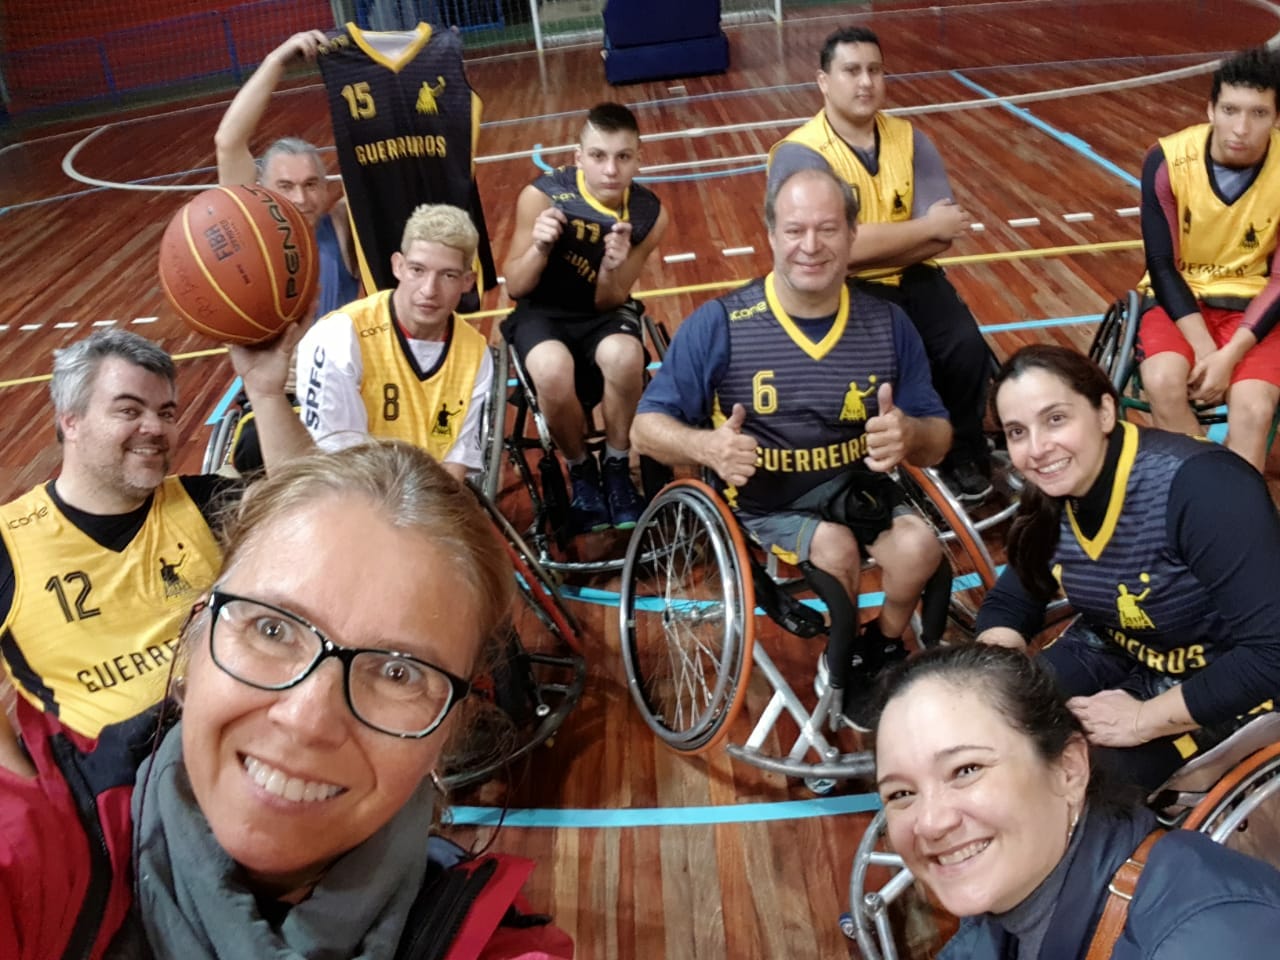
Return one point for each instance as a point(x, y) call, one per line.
point(239, 264)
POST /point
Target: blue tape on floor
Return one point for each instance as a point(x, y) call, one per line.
point(1066, 139)
point(580, 819)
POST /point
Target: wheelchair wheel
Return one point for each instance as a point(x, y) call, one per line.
point(217, 452)
point(1242, 811)
point(687, 616)
point(494, 425)
point(1113, 344)
point(533, 681)
point(536, 585)
point(868, 919)
point(972, 571)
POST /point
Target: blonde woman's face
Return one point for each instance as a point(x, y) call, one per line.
point(289, 780)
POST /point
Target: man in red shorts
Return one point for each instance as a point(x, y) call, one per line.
point(1210, 215)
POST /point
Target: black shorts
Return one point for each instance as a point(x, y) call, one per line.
point(530, 324)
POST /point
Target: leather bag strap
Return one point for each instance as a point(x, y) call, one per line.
point(1119, 893)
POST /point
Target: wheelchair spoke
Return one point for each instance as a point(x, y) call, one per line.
point(682, 618)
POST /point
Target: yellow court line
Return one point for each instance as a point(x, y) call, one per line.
point(43, 377)
point(1037, 253)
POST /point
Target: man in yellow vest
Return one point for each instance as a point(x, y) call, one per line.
point(100, 567)
point(400, 364)
point(1210, 215)
point(907, 218)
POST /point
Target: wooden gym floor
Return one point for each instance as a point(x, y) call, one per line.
point(1053, 182)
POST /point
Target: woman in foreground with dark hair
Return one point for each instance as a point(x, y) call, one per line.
point(1167, 547)
point(989, 798)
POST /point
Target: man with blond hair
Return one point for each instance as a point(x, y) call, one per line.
point(400, 364)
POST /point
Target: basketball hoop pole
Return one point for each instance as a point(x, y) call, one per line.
point(537, 24)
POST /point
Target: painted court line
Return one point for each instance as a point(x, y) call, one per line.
point(29, 326)
point(738, 251)
point(679, 257)
point(1077, 217)
point(1127, 211)
point(145, 319)
point(1066, 139)
point(64, 325)
point(667, 816)
point(1024, 222)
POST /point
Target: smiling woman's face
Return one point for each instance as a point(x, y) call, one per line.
point(289, 780)
point(977, 815)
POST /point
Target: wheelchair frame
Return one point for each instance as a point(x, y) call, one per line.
point(1114, 347)
point(704, 631)
point(1213, 793)
point(558, 676)
point(549, 493)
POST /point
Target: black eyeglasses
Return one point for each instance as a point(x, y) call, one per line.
point(270, 648)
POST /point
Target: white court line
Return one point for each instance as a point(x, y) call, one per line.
point(1077, 217)
point(977, 227)
point(1024, 222)
point(679, 257)
point(30, 326)
point(145, 319)
point(1127, 211)
point(104, 323)
point(64, 325)
point(738, 251)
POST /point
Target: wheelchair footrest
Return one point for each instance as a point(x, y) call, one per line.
point(783, 609)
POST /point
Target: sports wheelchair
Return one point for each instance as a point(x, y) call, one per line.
point(1114, 348)
point(1230, 792)
point(691, 588)
point(549, 528)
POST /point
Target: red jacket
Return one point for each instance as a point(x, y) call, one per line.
point(66, 845)
point(65, 839)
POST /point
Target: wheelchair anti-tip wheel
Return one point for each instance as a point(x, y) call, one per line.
point(687, 616)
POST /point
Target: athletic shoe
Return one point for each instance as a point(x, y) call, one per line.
point(624, 502)
point(878, 653)
point(587, 510)
point(968, 481)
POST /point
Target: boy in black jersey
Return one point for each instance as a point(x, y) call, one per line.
point(582, 235)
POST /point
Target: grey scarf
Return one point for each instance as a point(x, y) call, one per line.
point(195, 905)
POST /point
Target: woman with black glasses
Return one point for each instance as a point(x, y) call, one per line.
point(287, 813)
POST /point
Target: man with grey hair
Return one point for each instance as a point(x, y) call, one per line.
point(292, 167)
point(802, 395)
point(99, 567)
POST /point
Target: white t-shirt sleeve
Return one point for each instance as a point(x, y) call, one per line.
point(466, 449)
point(329, 374)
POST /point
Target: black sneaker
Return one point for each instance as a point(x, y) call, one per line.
point(587, 510)
point(625, 504)
point(878, 653)
point(968, 481)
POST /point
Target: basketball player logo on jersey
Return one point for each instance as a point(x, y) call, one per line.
point(854, 408)
point(444, 416)
point(1128, 609)
point(1186, 220)
point(1250, 241)
point(427, 96)
point(175, 584)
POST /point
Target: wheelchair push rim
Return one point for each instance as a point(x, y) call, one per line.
point(687, 617)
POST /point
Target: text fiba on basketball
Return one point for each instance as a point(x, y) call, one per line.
point(225, 242)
